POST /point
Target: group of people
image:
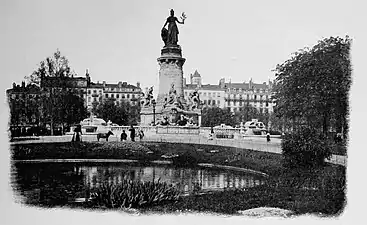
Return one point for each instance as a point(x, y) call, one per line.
point(133, 134)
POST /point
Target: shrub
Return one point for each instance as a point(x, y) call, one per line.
point(305, 148)
point(132, 194)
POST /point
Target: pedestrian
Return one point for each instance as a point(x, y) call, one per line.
point(211, 135)
point(268, 137)
point(77, 134)
point(123, 136)
point(141, 134)
point(132, 133)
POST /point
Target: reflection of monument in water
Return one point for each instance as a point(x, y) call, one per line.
point(170, 107)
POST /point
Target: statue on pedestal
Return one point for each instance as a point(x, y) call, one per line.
point(170, 35)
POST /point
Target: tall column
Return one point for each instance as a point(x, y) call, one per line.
point(170, 72)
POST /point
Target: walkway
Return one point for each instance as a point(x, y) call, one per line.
point(252, 143)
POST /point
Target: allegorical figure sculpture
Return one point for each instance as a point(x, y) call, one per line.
point(148, 97)
point(194, 100)
point(170, 35)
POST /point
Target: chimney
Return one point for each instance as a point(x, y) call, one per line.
point(138, 84)
point(124, 84)
point(14, 85)
point(190, 78)
point(23, 84)
point(104, 83)
point(120, 84)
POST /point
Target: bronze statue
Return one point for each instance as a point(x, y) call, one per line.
point(170, 35)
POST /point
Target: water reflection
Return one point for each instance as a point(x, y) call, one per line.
point(49, 182)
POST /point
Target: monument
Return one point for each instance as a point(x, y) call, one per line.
point(171, 108)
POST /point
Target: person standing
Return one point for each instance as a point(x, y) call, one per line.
point(123, 136)
point(77, 134)
point(132, 133)
point(141, 134)
point(268, 137)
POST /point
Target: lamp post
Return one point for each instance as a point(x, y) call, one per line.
point(153, 103)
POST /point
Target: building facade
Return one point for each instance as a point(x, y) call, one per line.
point(95, 93)
point(234, 96)
point(25, 108)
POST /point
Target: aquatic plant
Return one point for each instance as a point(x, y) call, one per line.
point(132, 194)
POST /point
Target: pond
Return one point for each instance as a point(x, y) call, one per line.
point(59, 183)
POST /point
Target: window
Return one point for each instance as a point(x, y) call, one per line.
point(112, 89)
point(213, 94)
point(267, 104)
point(209, 94)
point(100, 91)
point(132, 96)
point(89, 92)
point(94, 99)
point(204, 93)
point(204, 102)
point(255, 97)
point(106, 95)
point(240, 103)
point(94, 91)
point(112, 96)
point(128, 96)
point(213, 102)
point(218, 102)
point(89, 98)
point(117, 95)
point(209, 102)
point(218, 94)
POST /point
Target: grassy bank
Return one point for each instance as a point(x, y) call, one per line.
point(302, 191)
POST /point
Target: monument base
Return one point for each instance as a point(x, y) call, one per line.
point(169, 115)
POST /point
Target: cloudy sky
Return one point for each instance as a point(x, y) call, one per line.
point(120, 40)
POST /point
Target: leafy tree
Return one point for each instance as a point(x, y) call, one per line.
point(306, 147)
point(312, 87)
point(122, 114)
point(59, 105)
point(54, 66)
point(63, 108)
point(215, 116)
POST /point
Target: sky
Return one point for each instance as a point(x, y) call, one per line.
point(120, 40)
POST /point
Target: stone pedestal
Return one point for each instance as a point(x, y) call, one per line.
point(170, 72)
point(170, 76)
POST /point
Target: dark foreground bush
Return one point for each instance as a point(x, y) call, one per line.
point(305, 148)
point(132, 194)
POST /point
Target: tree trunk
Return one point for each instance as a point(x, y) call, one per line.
point(52, 127)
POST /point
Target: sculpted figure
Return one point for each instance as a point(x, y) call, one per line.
point(170, 35)
point(148, 97)
point(195, 99)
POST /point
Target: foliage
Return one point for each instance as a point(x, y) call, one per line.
point(63, 107)
point(312, 87)
point(54, 66)
point(215, 116)
point(122, 114)
point(57, 105)
point(305, 147)
point(132, 194)
point(24, 110)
